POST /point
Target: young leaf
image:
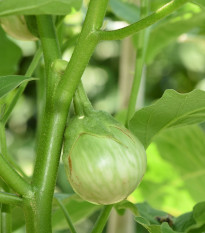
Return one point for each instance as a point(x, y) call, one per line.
point(37, 7)
point(10, 82)
point(172, 110)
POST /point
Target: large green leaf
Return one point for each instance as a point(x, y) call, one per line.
point(10, 55)
point(37, 7)
point(77, 208)
point(162, 186)
point(124, 10)
point(184, 149)
point(172, 110)
point(10, 82)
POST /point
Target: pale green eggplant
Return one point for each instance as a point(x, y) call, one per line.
point(104, 161)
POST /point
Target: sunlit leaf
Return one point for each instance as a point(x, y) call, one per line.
point(184, 149)
point(172, 110)
point(37, 7)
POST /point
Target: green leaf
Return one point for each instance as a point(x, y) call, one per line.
point(149, 213)
point(163, 228)
point(77, 208)
point(199, 217)
point(172, 110)
point(10, 82)
point(10, 55)
point(37, 7)
point(155, 221)
point(184, 149)
point(193, 222)
point(184, 221)
point(171, 194)
point(5, 102)
point(124, 10)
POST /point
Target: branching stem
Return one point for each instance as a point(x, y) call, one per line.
point(161, 13)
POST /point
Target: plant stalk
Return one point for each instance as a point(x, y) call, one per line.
point(102, 220)
point(142, 43)
point(55, 117)
point(6, 226)
point(161, 13)
point(11, 199)
point(65, 212)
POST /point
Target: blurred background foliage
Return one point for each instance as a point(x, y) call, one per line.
point(175, 59)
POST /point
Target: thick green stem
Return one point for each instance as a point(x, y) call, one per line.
point(87, 42)
point(47, 32)
point(161, 13)
point(102, 220)
point(54, 120)
point(38, 208)
point(51, 50)
point(8, 198)
point(139, 65)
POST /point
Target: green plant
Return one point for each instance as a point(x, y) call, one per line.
point(58, 85)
